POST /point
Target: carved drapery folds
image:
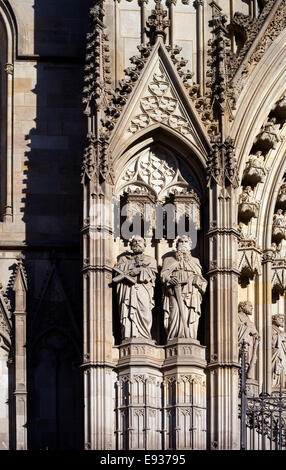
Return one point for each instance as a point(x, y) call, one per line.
point(183, 287)
point(135, 280)
point(247, 332)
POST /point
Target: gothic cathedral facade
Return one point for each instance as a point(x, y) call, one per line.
point(143, 220)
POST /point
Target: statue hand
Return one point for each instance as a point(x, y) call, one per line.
point(174, 281)
point(134, 272)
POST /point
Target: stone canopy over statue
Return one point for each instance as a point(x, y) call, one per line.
point(135, 279)
point(183, 286)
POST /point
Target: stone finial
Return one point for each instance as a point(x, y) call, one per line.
point(158, 22)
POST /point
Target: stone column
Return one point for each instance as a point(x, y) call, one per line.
point(20, 392)
point(9, 68)
point(184, 402)
point(267, 258)
point(98, 338)
point(200, 40)
point(223, 364)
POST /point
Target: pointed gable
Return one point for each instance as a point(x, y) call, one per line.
point(159, 98)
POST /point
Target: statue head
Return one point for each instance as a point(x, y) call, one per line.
point(245, 307)
point(184, 243)
point(137, 244)
point(278, 320)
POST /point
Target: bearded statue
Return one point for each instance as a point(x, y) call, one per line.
point(183, 287)
point(135, 280)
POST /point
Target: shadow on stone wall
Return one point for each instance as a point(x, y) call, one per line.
point(51, 207)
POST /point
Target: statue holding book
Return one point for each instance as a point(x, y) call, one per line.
point(135, 275)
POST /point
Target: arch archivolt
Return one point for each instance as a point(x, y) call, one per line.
point(259, 133)
point(264, 87)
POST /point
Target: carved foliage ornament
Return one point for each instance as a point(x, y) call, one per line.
point(158, 22)
point(97, 69)
point(272, 31)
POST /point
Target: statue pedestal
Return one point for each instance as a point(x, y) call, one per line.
point(252, 388)
point(184, 394)
point(138, 395)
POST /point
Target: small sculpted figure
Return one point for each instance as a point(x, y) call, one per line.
point(247, 196)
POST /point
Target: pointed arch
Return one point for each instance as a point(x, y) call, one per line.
point(169, 138)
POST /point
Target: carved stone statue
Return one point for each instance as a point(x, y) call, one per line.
point(248, 206)
point(279, 218)
point(247, 331)
point(135, 279)
point(183, 286)
point(279, 226)
point(247, 196)
point(278, 351)
point(267, 138)
point(254, 169)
